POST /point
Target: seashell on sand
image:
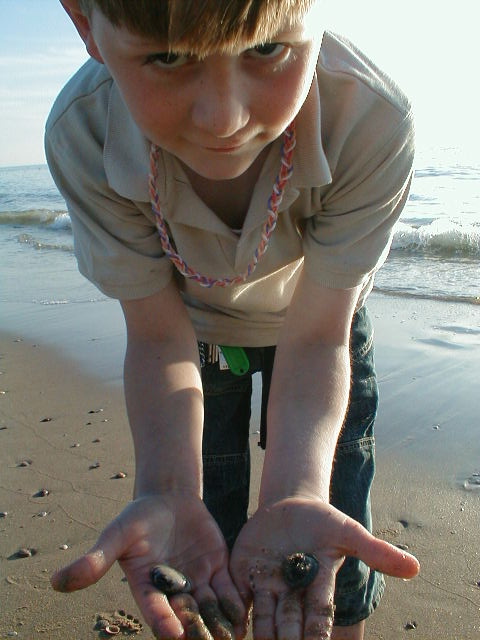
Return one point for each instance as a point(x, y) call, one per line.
point(112, 629)
point(25, 552)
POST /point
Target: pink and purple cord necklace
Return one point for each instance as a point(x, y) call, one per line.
point(286, 169)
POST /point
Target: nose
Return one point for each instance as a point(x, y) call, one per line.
point(220, 106)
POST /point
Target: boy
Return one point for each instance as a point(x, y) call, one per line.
point(216, 101)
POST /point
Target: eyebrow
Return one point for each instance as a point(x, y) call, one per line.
point(139, 40)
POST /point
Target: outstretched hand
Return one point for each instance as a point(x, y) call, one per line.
point(176, 530)
point(310, 526)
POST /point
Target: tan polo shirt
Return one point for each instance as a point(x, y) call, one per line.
point(352, 169)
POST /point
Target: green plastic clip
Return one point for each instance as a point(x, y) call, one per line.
point(237, 359)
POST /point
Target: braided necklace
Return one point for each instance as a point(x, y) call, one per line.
point(286, 169)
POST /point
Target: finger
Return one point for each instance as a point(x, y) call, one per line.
point(263, 621)
point(289, 615)
point(82, 573)
point(378, 554)
point(155, 607)
point(318, 620)
point(217, 623)
point(210, 611)
point(93, 565)
point(319, 607)
point(230, 601)
point(186, 610)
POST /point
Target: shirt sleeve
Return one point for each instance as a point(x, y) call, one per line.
point(349, 236)
point(115, 240)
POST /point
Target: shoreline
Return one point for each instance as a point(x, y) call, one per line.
point(61, 364)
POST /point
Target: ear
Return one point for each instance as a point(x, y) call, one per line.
point(82, 25)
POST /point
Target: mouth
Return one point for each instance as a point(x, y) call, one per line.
point(229, 149)
point(227, 145)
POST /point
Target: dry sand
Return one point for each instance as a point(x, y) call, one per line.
point(427, 447)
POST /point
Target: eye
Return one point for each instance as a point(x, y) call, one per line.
point(167, 59)
point(268, 50)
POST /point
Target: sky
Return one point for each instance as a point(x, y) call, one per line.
point(430, 47)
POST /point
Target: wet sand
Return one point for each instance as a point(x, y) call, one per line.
point(64, 429)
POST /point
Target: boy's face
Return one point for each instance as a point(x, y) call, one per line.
point(215, 114)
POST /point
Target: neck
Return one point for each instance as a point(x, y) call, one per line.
point(228, 199)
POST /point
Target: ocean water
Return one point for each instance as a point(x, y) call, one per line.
point(435, 251)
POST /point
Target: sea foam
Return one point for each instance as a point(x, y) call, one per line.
point(441, 237)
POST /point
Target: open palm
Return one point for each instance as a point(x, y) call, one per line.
point(303, 525)
point(175, 530)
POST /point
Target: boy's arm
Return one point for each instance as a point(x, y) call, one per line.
point(309, 392)
point(167, 522)
point(308, 400)
point(163, 392)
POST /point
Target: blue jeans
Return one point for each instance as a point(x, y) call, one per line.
point(226, 457)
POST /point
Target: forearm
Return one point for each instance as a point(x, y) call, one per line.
point(165, 408)
point(163, 392)
point(309, 392)
point(307, 405)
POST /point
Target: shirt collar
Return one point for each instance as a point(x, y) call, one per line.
point(126, 154)
point(310, 164)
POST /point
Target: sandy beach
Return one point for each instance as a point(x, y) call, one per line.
point(63, 428)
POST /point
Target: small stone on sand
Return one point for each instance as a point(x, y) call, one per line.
point(41, 493)
point(25, 552)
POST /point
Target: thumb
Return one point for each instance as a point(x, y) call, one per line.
point(93, 565)
point(378, 554)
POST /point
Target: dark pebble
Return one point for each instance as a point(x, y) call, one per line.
point(41, 493)
point(299, 570)
point(169, 581)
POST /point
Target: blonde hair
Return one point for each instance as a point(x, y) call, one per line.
point(203, 26)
